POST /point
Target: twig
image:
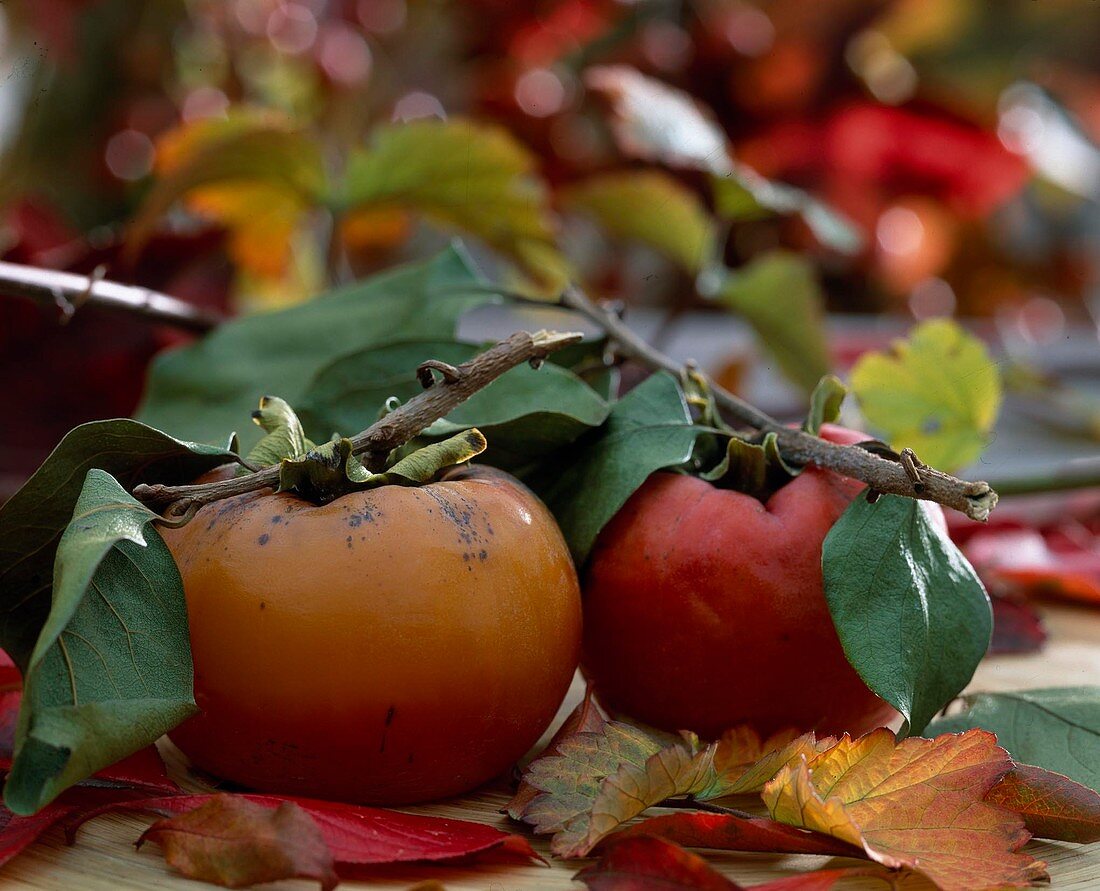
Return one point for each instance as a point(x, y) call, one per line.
point(884, 476)
point(374, 444)
point(68, 292)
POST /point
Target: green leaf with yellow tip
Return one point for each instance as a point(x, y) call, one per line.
point(285, 437)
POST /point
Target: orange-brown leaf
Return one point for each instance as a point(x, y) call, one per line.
point(1052, 805)
point(592, 782)
point(234, 842)
point(744, 762)
point(918, 803)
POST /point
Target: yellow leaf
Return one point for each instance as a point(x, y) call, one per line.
point(470, 177)
point(937, 393)
point(251, 172)
point(918, 803)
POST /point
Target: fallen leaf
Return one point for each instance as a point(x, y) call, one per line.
point(645, 863)
point(917, 803)
point(744, 762)
point(938, 393)
point(730, 832)
point(1017, 627)
point(233, 842)
point(585, 718)
point(1052, 805)
point(648, 863)
point(1056, 728)
point(356, 835)
point(17, 833)
point(1061, 560)
point(596, 781)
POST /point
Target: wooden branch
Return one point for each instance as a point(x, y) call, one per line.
point(458, 383)
point(67, 292)
point(885, 476)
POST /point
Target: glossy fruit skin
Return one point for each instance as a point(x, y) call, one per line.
point(705, 609)
point(392, 646)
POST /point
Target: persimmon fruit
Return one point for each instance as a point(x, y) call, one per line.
point(705, 609)
point(394, 645)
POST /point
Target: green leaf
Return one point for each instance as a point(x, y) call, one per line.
point(651, 208)
point(658, 123)
point(331, 470)
point(743, 194)
point(825, 402)
point(648, 429)
point(33, 519)
point(285, 436)
point(203, 390)
point(524, 413)
point(111, 670)
point(937, 393)
point(1057, 728)
point(472, 177)
point(779, 295)
point(911, 614)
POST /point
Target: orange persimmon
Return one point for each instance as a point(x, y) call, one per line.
point(391, 646)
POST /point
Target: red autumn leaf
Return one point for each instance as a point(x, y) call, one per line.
point(585, 718)
point(1017, 627)
point(729, 832)
point(234, 842)
point(1062, 560)
point(916, 803)
point(17, 833)
point(356, 835)
point(1053, 806)
point(645, 863)
point(650, 863)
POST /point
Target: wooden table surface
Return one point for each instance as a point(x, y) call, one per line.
point(104, 858)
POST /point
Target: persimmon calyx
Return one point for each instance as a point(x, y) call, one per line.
point(328, 471)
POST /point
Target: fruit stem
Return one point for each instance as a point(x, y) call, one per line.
point(439, 398)
point(883, 475)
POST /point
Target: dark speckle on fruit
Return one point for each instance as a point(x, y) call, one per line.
point(264, 539)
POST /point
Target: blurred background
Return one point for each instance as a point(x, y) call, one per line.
point(943, 153)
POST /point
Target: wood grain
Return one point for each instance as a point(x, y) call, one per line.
point(104, 859)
